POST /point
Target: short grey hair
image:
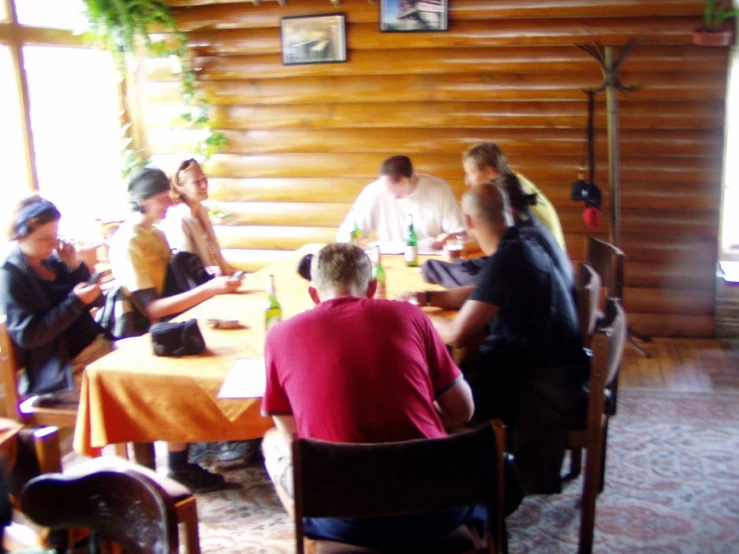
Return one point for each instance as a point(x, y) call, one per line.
point(487, 202)
point(341, 265)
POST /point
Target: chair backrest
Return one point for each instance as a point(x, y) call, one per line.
point(411, 477)
point(117, 505)
point(608, 261)
point(588, 297)
point(608, 347)
point(9, 370)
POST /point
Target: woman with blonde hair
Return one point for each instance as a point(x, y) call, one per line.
point(187, 225)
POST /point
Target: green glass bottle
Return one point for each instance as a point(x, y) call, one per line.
point(378, 273)
point(273, 311)
point(411, 245)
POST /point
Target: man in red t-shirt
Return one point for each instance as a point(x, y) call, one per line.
point(355, 369)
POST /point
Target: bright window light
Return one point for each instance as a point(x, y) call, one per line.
point(730, 205)
point(14, 184)
point(76, 134)
point(52, 14)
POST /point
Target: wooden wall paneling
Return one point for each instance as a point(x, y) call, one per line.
point(690, 116)
point(304, 140)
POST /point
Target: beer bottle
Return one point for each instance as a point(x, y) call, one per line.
point(378, 273)
point(411, 245)
point(273, 311)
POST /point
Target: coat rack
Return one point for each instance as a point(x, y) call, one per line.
point(611, 69)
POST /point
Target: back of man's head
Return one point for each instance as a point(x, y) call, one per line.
point(396, 168)
point(519, 199)
point(487, 204)
point(341, 267)
point(487, 154)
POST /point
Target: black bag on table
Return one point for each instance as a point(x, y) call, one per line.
point(185, 272)
point(177, 338)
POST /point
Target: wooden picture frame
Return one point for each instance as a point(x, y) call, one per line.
point(408, 16)
point(313, 39)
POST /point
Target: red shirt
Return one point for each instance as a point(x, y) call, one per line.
point(358, 370)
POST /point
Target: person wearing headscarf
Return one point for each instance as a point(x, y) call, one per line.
point(140, 253)
point(46, 298)
point(139, 258)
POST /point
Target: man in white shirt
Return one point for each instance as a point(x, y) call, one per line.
point(382, 208)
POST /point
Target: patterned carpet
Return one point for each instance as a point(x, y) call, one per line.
point(672, 487)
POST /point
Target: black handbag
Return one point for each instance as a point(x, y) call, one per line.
point(177, 339)
point(185, 272)
point(119, 316)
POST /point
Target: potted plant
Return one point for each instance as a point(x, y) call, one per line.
point(123, 25)
point(718, 29)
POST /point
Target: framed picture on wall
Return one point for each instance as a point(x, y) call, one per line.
point(313, 39)
point(404, 16)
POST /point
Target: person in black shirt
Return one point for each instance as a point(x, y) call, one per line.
point(531, 364)
point(46, 297)
point(465, 272)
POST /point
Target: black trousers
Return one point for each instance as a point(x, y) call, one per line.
point(536, 404)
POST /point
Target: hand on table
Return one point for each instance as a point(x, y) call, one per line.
point(410, 296)
point(222, 285)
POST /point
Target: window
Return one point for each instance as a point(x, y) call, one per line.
point(51, 14)
point(14, 170)
point(70, 91)
point(74, 118)
point(730, 204)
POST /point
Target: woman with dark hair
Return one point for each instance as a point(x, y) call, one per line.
point(46, 296)
point(139, 258)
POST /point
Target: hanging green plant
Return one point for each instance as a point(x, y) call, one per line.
point(122, 25)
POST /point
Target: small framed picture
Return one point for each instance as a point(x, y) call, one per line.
point(313, 39)
point(404, 16)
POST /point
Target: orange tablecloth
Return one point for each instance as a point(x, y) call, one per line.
point(131, 395)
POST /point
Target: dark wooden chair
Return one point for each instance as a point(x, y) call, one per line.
point(119, 505)
point(411, 477)
point(587, 289)
point(592, 433)
point(38, 454)
point(26, 410)
point(608, 261)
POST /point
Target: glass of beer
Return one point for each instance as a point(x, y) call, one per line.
point(453, 248)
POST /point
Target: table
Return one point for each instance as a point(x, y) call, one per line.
point(132, 395)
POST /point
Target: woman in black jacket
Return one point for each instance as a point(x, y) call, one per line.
point(46, 296)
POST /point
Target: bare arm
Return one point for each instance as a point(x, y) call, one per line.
point(456, 403)
point(286, 426)
point(162, 307)
point(451, 299)
point(465, 326)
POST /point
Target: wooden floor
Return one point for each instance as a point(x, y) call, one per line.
point(698, 365)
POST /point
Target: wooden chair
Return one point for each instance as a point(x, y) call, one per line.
point(119, 505)
point(607, 345)
point(33, 452)
point(39, 454)
point(26, 410)
point(411, 477)
point(608, 261)
point(587, 289)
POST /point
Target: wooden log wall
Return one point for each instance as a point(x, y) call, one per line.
point(305, 139)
